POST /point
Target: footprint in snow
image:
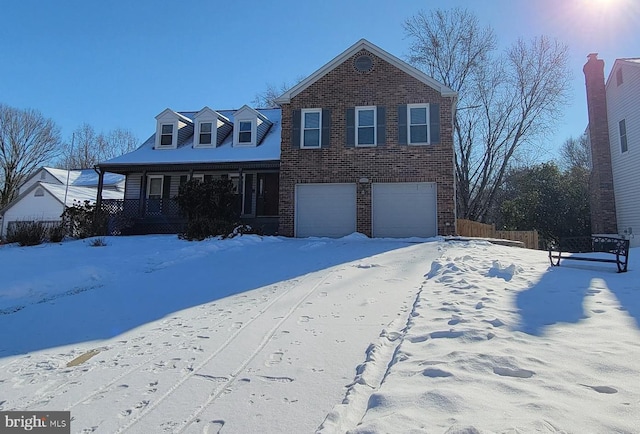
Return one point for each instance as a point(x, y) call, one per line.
point(436, 373)
point(274, 358)
point(510, 372)
point(602, 389)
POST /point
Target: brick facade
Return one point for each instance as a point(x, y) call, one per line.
point(602, 199)
point(384, 85)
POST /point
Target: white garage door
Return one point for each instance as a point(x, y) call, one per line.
point(325, 210)
point(404, 209)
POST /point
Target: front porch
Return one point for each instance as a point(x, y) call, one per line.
point(149, 206)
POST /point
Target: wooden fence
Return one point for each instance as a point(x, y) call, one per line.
point(468, 228)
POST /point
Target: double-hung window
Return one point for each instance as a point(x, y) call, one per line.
point(365, 126)
point(418, 116)
point(205, 133)
point(311, 128)
point(245, 130)
point(623, 136)
point(166, 135)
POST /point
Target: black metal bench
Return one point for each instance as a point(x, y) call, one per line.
point(617, 247)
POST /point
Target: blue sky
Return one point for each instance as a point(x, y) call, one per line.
point(118, 64)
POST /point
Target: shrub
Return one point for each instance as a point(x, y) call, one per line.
point(98, 242)
point(211, 208)
point(82, 220)
point(27, 233)
point(56, 233)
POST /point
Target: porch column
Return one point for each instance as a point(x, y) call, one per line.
point(143, 194)
point(100, 185)
point(240, 191)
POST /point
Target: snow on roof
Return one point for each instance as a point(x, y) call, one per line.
point(267, 150)
point(84, 177)
point(79, 194)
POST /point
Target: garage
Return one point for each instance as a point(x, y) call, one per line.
point(404, 209)
point(325, 210)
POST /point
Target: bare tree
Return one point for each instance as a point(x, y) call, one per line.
point(87, 148)
point(507, 101)
point(267, 98)
point(576, 153)
point(28, 140)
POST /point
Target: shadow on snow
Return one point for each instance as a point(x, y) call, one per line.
point(123, 304)
point(559, 296)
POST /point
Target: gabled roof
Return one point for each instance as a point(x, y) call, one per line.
point(246, 109)
point(72, 193)
point(379, 52)
point(633, 62)
point(174, 114)
point(79, 177)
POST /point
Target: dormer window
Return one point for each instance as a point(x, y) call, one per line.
point(206, 129)
point(166, 137)
point(172, 129)
point(245, 132)
point(249, 127)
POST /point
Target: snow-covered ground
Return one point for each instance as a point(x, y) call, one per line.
point(273, 335)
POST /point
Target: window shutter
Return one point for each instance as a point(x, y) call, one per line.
point(166, 187)
point(295, 130)
point(402, 125)
point(183, 180)
point(326, 128)
point(382, 125)
point(434, 123)
point(351, 127)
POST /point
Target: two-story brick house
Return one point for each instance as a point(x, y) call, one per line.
point(363, 144)
point(367, 146)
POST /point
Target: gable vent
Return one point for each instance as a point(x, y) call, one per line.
point(363, 63)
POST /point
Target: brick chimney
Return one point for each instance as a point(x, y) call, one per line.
point(602, 200)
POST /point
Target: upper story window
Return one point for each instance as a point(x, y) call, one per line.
point(619, 77)
point(206, 133)
point(418, 115)
point(245, 132)
point(311, 128)
point(166, 135)
point(365, 126)
point(623, 136)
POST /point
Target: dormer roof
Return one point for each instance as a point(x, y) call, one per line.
point(377, 51)
point(170, 114)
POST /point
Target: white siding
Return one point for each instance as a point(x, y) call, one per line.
point(132, 186)
point(48, 178)
point(32, 207)
point(623, 102)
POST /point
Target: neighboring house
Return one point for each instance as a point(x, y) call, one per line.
point(363, 144)
point(241, 145)
point(43, 196)
point(367, 146)
point(614, 134)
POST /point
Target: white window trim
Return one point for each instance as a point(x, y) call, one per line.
point(623, 137)
point(198, 176)
point(375, 125)
point(149, 178)
point(174, 135)
point(302, 128)
point(214, 131)
point(409, 107)
point(236, 132)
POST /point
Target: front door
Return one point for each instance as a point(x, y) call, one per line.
point(268, 194)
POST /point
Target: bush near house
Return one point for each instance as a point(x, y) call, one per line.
point(211, 208)
point(83, 220)
point(27, 233)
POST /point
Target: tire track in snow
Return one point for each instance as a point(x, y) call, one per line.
point(147, 409)
point(265, 340)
